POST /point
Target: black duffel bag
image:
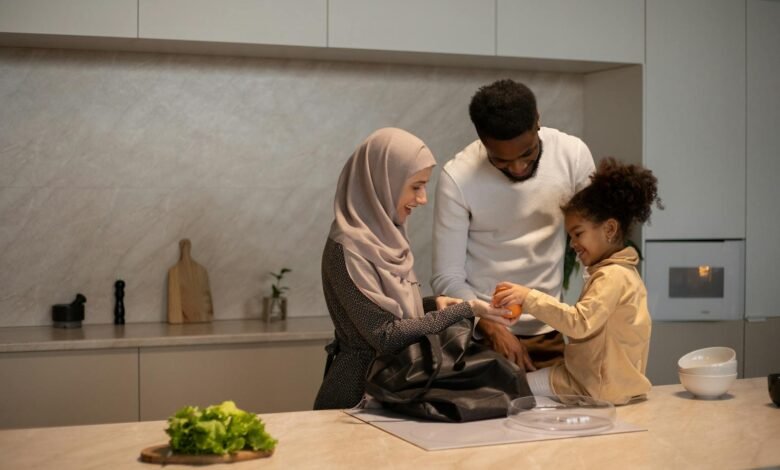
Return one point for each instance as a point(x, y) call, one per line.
point(447, 377)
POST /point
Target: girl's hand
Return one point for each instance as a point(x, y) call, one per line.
point(508, 293)
point(443, 302)
point(497, 315)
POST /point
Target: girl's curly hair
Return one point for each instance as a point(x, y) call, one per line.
point(619, 191)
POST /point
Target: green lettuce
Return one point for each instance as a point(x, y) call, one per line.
point(218, 429)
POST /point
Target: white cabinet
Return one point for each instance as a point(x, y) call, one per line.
point(587, 35)
point(279, 22)
point(114, 18)
point(597, 30)
point(695, 117)
point(444, 26)
point(763, 158)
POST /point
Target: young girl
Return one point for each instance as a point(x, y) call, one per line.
point(608, 329)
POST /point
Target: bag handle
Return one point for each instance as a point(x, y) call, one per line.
point(435, 344)
point(436, 351)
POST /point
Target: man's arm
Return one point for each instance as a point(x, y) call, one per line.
point(583, 168)
point(450, 238)
point(505, 343)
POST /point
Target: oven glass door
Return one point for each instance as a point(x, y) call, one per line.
point(695, 280)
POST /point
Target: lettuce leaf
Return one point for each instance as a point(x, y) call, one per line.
point(218, 429)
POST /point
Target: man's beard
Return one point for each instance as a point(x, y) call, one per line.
point(530, 175)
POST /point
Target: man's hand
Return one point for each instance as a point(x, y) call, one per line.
point(506, 344)
point(443, 302)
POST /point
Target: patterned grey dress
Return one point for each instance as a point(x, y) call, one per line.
point(363, 329)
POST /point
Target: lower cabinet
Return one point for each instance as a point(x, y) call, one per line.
point(756, 343)
point(62, 388)
point(262, 378)
point(59, 388)
point(670, 340)
point(762, 347)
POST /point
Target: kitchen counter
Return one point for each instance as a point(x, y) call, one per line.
point(740, 430)
point(132, 335)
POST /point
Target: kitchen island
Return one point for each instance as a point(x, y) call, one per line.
point(740, 430)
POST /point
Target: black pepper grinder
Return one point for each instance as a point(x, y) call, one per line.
point(119, 305)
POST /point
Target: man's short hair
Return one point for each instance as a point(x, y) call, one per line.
point(503, 110)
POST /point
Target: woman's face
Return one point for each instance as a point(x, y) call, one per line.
point(412, 195)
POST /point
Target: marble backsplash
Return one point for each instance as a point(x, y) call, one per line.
point(108, 159)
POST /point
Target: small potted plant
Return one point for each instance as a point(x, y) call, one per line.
point(275, 306)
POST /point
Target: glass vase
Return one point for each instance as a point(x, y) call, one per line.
point(274, 308)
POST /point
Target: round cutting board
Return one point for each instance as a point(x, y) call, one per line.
point(162, 454)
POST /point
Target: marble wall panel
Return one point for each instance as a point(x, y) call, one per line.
point(107, 159)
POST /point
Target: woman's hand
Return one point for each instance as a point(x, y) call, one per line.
point(484, 310)
point(508, 294)
point(443, 302)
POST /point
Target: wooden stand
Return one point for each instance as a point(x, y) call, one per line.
point(162, 454)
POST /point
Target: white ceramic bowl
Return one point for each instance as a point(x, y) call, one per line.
point(707, 386)
point(707, 357)
point(724, 368)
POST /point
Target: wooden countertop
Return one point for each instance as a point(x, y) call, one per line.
point(740, 430)
point(133, 335)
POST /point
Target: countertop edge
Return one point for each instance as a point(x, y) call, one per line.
point(46, 339)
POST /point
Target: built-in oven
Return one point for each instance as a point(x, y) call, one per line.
point(695, 280)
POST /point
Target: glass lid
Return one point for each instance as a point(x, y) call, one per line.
point(563, 414)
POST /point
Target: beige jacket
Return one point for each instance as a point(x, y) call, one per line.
point(608, 331)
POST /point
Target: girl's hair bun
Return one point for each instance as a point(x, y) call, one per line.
point(625, 192)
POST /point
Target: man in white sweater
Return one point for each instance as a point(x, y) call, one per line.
point(498, 216)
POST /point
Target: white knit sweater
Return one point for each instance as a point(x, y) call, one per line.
point(488, 229)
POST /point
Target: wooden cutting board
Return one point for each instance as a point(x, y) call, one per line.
point(189, 295)
point(162, 454)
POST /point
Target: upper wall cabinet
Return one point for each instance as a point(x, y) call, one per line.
point(695, 117)
point(279, 22)
point(113, 18)
point(596, 30)
point(444, 26)
point(762, 252)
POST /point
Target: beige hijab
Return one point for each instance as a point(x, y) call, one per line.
point(376, 248)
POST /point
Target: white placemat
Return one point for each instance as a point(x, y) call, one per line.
point(434, 435)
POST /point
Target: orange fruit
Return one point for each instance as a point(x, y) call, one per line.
point(516, 309)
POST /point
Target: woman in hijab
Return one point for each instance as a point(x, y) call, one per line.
point(368, 279)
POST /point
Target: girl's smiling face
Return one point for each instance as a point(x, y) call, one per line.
point(412, 195)
point(591, 241)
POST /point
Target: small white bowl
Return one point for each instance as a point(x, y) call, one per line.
point(707, 357)
point(707, 386)
point(724, 368)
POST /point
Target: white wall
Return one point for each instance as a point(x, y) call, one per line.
point(108, 159)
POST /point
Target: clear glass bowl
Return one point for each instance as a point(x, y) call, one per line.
point(563, 414)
